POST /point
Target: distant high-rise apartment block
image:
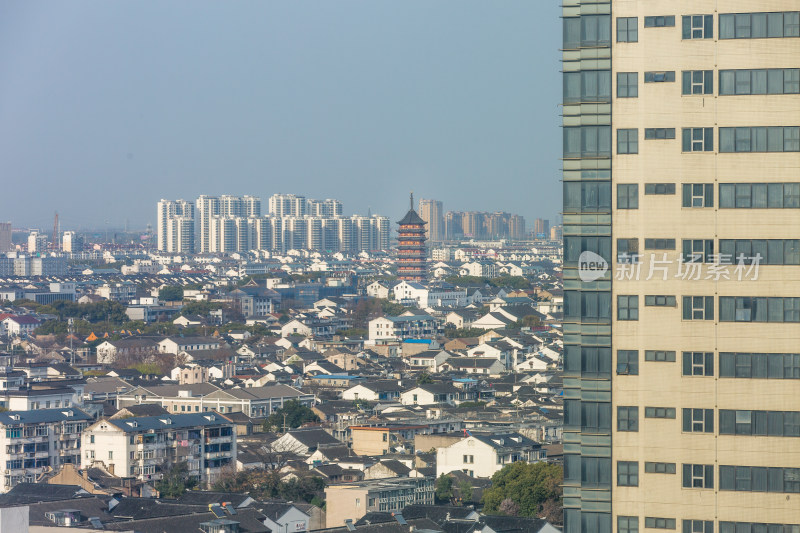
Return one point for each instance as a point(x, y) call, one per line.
point(432, 213)
point(516, 227)
point(483, 226)
point(176, 226)
point(71, 242)
point(556, 233)
point(681, 175)
point(541, 228)
point(282, 205)
point(37, 242)
point(453, 226)
point(5, 236)
point(234, 224)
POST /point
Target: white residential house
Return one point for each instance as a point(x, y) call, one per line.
point(411, 293)
point(378, 289)
point(549, 353)
point(187, 321)
point(109, 351)
point(405, 327)
point(481, 455)
point(430, 394)
point(487, 366)
point(284, 517)
point(502, 352)
point(447, 296)
point(430, 360)
point(485, 269)
point(548, 307)
point(534, 362)
point(375, 391)
point(304, 441)
point(19, 326)
point(176, 345)
point(492, 320)
point(295, 327)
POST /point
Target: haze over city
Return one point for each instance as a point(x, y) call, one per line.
point(115, 105)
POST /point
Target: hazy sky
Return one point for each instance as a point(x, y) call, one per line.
point(108, 106)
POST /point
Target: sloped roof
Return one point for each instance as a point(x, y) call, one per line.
point(411, 218)
point(250, 521)
point(25, 493)
point(188, 420)
point(313, 437)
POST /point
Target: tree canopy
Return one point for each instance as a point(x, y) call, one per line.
point(444, 488)
point(171, 293)
point(267, 484)
point(176, 481)
point(105, 311)
point(529, 486)
point(296, 413)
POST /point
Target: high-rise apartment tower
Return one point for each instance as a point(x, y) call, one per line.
point(432, 213)
point(681, 158)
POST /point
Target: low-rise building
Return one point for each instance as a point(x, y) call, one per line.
point(19, 326)
point(256, 402)
point(481, 455)
point(176, 345)
point(304, 441)
point(474, 365)
point(380, 440)
point(431, 394)
point(351, 501)
point(375, 391)
point(404, 327)
point(143, 446)
point(109, 351)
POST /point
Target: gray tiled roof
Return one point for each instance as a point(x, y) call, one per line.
point(189, 420)
point(42, 416)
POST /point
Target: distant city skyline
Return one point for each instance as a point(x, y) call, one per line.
point(358, 101)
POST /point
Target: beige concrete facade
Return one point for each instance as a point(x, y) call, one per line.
point(661, 105)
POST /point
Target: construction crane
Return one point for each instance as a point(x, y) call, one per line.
point(54, 243)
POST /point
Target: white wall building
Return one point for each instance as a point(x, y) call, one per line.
point(139, 446)
point(33, 443)
point(483, 455)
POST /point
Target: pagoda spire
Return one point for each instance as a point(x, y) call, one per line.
point(412, 200)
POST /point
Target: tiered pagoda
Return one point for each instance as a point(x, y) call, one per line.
point(411, 255)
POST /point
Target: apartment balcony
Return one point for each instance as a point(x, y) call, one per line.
point(216, 455)
point(218, 440)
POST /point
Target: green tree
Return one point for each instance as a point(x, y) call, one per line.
point(267, 484)
point(176, 481)
point(171, 293)
point(296, 413)
point(511, 282)
point(529, 486)
point(424, 378)
point(199, 308)
point(531, 321)
point(465, 490)
point(466, 280)
point(444, 488)
point(460, 333)
point(392, 308)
